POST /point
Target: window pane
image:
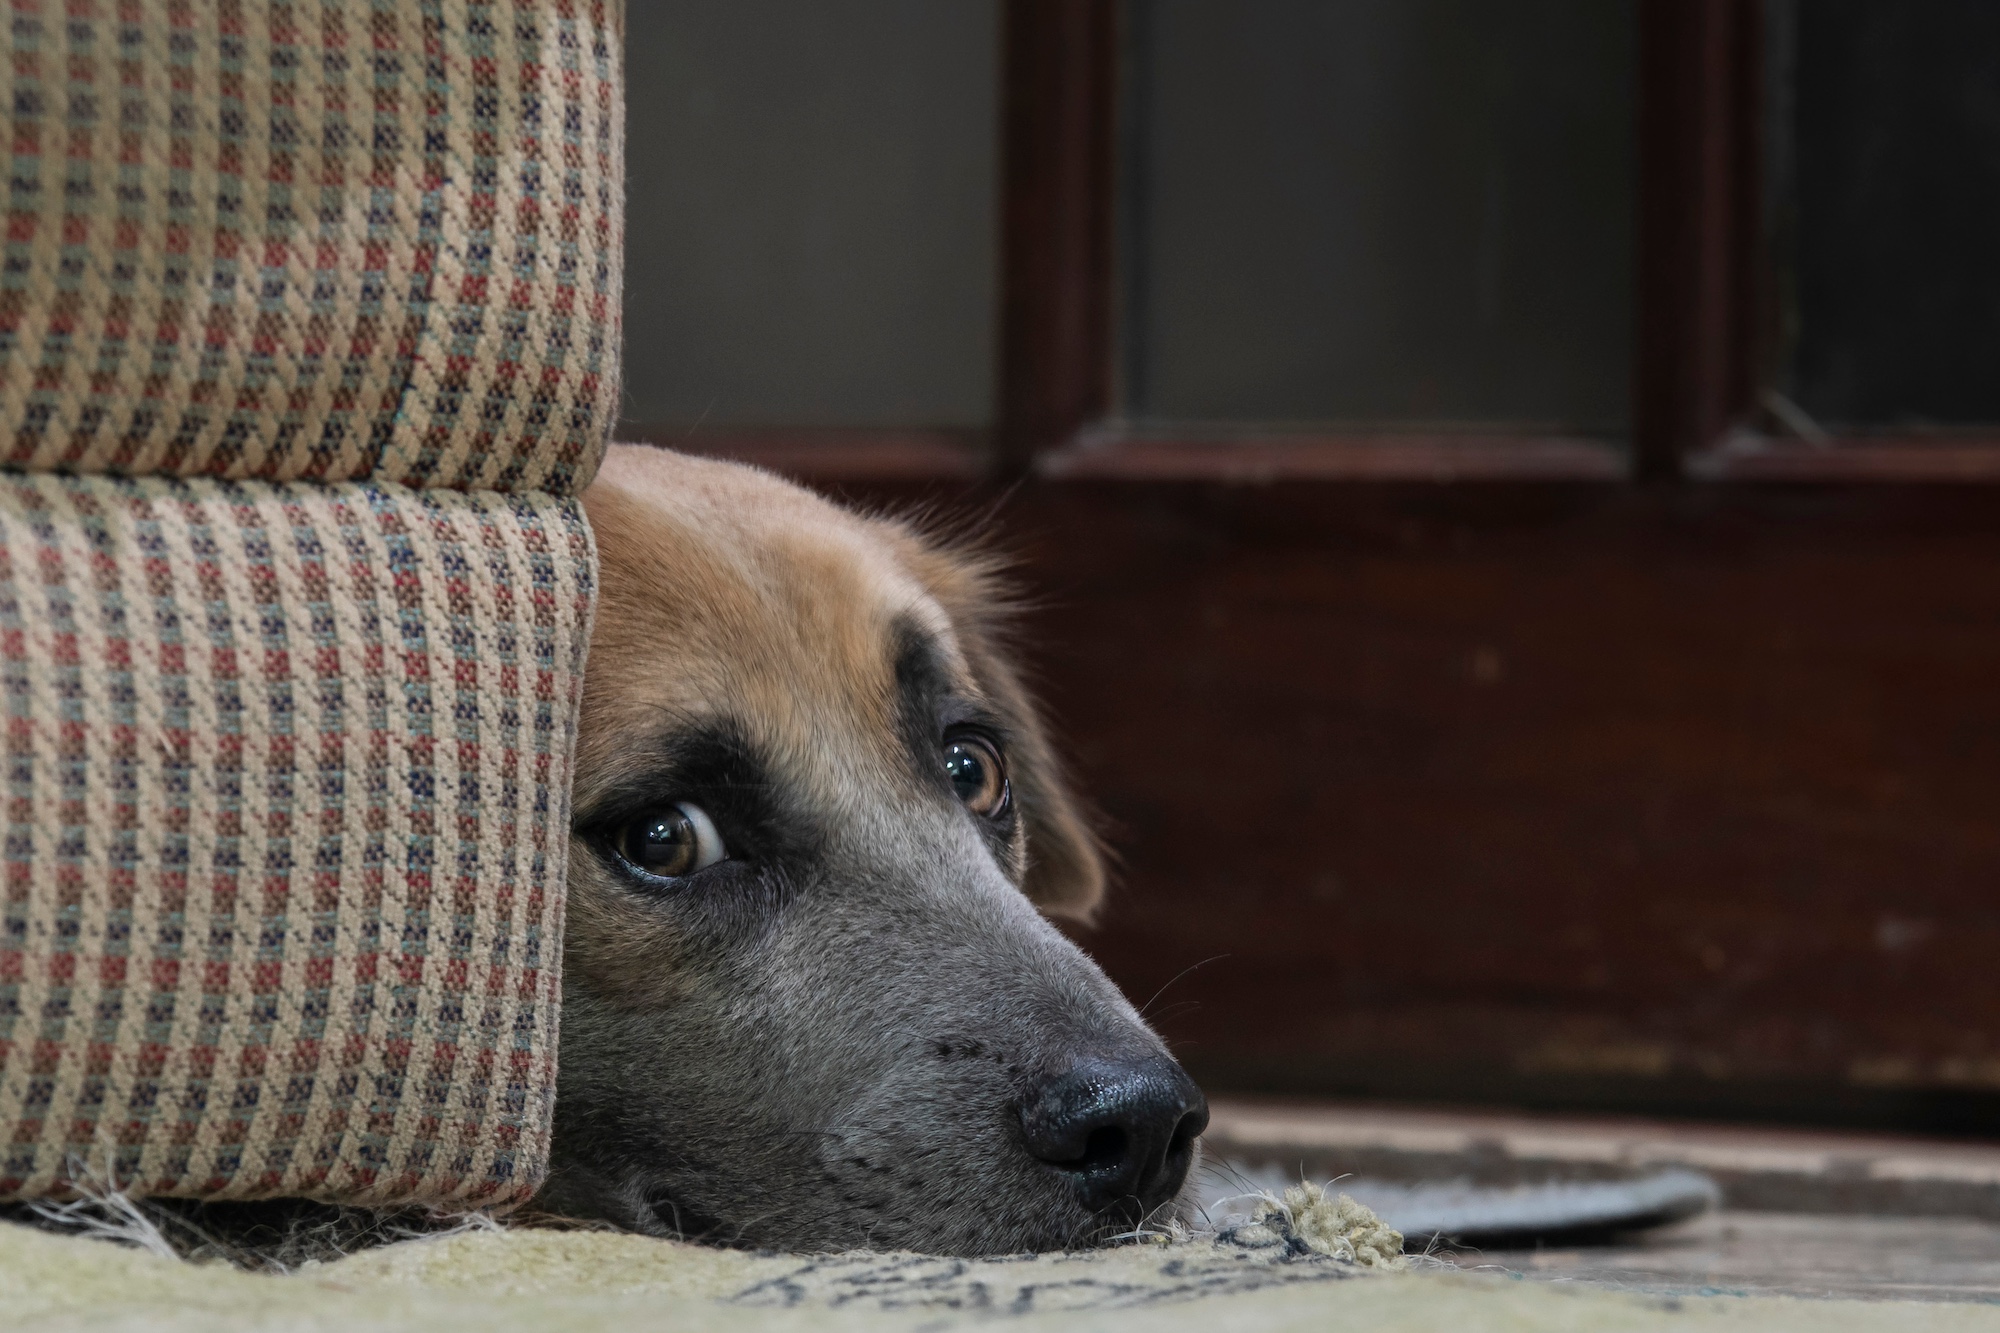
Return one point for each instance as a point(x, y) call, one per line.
point(811, 225)
point(1380, 211)
point(1886, 174)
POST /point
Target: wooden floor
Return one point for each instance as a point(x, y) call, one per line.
point(1779, 1254)
point(1759, 1168)
point(1804, 1213)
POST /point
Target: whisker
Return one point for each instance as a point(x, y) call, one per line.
point(1176, 977)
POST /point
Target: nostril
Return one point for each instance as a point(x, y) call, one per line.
point(1106, 1147)
point(1186, 1132)
point(1123, 1131)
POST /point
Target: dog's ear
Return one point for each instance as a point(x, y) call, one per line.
point(1064, 875)
point(1065, 871)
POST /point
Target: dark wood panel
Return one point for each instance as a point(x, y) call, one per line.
point(1938, 456)
point(1060, 77)
point(1249, 455)
point(1702, 291)
point(1566, 794)
point(832, 453)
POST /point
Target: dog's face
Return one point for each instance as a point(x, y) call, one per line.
point(810, 998)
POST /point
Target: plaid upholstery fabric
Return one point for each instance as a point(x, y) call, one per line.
point(323, 239)
point(286, 810)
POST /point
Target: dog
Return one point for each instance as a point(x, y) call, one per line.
point(813, 998)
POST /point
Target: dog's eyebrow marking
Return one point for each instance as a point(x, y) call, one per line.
point(931, 696)
point(689, 758)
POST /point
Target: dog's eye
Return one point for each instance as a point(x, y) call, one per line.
point(977, 775)
point(676, 841)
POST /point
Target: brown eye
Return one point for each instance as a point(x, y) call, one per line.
point(671, 842)
point(977, 775)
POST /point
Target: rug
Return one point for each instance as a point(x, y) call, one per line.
point(1266, 1277)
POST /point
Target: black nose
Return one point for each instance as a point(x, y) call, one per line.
point(1124, 1130)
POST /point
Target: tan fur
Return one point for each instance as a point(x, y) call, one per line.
point(782, 605)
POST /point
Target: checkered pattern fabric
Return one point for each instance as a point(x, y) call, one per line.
point(286, 802)
point(322, 239)
point(308, 337)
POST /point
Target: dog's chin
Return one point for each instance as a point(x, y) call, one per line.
point(1007, 1220)
point(662, 1214)
point(958, 1229)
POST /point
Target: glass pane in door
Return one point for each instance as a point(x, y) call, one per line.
point(811, 226)
point(1379, 212)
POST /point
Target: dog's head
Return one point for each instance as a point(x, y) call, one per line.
point(810, 997)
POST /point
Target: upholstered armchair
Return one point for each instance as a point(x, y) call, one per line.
point(308, 340)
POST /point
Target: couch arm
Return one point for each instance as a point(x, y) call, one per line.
point(283, 842)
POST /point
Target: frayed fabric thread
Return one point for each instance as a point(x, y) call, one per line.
point(1307, 1224)
point(1310, 1219)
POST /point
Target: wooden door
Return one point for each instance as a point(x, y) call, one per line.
point(1589, 700)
